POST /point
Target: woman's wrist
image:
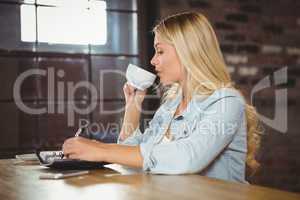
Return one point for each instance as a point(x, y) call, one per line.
point(103, 152)
point(131, 118)
point(136, 99)
point(122, 154)
point(130, 122)
point(133, 106)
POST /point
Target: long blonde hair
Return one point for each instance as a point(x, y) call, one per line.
point(198, 50)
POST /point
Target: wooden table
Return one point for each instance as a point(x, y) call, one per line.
point(21, 181)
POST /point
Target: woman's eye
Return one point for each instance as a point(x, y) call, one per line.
point(159, 52)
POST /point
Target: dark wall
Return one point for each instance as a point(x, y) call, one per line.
point(22, 132)
point(259, 37)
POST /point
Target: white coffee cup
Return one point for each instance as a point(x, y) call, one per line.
point(139, 78)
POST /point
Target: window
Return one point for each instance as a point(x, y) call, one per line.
point(65, 22)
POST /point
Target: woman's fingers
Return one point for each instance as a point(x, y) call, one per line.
point(129, 92)
point(131, 88)
point(79, 148)
point(73, 156)
point(68, 150)
point(83, 149)
point(141, 92)
point(69, 146)
point(126, 91)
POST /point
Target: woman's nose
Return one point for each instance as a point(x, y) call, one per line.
point(153, 61)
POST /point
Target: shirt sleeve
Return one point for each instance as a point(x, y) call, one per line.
point(134, 139)
point(214, 129)
point(137, 137)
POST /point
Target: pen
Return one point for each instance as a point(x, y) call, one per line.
point(78, 132)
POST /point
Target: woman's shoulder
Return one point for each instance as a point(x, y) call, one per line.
point(227, 92)
point(224, 95)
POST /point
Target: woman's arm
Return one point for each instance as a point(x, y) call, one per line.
point(124, 155)
point(91, 150)
point(130, 121)
point(134, 99)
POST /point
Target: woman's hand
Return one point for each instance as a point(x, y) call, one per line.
point(92, 150)
point(83, 149)
point(133, 95)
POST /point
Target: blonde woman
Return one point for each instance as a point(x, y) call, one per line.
point(203, 125)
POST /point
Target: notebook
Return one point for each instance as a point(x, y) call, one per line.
point(55, 160)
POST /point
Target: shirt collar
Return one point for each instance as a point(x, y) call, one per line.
point(198, 102)
point(192, 107)
point(175, 102)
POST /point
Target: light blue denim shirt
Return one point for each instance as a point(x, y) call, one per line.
point(209, 137)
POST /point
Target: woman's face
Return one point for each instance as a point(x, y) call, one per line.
point(166, 62)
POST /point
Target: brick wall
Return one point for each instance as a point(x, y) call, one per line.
point(259, 37)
